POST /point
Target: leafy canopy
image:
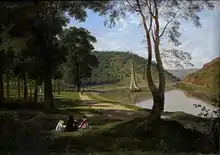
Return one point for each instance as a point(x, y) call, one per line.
point(169, 12)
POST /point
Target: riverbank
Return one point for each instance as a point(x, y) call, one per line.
point(199, 92)
point(124, 95)
point(114, 129)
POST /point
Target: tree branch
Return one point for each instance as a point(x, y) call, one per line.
point(149, 7)
point(131, 6)
point(168, 24)
point(156, 9)
point(151, 83)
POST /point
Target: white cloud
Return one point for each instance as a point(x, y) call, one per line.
point(200, 42)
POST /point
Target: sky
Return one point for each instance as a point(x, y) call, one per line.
point(201, 43)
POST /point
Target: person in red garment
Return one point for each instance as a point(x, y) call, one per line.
point(84, 124)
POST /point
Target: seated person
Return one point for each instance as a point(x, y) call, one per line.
point(71, 125)
point(60, 126)
point(75, 125)
point(84, 124)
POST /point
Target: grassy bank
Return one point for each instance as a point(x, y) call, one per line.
point(99, 98)
point(199, 92)
point(125, 96)
point(30, 131)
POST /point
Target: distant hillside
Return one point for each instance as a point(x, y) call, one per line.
point(181, 73)
point(116, 67)
point(206, 79)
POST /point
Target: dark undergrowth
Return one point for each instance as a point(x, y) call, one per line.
point(30, 131)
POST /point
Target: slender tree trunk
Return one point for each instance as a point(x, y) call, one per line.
point(1, 90)
point(41, 89)
point(35, 92)
point(157, 93)
point(30, 90)
point(77, 75)
point(13, 82)
point(25, 83)
point(58, 87)
point(18, 88)
point(48, 92)
point(158, 105)
point(159, 96)
point(7, 86)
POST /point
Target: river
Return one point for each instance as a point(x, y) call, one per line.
point(176, 100)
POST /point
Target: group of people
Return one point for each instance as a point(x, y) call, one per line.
point(72, 124)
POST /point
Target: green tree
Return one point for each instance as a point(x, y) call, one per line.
point(40, 23)
point(80, 59)
point(150, 11)
point(11, 15)
point(50, 21)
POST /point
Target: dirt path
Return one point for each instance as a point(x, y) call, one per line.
point(111, 110)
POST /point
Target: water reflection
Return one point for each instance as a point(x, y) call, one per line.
point(177, 100)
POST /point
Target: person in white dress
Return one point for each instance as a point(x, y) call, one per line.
point(60, 126)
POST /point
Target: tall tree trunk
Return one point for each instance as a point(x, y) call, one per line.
point(18, 88)
point(35, 92)
point(1, 90)
point(158, 95)
point(48, 92)
point(41, 88)
point(77, 75)
point(53, 86)
point(30, 90)
point(58, 87)
point(7, 85)
point(13, 82)
point(25, 80)
point(158, 105)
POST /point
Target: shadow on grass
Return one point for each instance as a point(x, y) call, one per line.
point(30, 131)
point(138, 134)
point(164, 136)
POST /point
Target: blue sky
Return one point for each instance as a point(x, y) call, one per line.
point(202, 42)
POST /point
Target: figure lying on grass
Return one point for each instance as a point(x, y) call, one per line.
point(72, 124)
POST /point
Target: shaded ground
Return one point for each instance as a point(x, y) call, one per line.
point(126, 131)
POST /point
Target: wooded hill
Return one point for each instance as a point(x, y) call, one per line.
point(115, 66)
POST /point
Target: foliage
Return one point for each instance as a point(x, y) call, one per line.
point(114, 66)
point(80, 60)
point(151, 13)
point(169, 12)
point(29, 36)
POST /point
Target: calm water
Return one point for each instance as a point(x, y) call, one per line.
point(176, 100)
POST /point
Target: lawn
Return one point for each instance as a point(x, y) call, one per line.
point(112, 131)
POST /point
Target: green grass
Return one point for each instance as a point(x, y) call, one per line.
point(28, 131)
point(68, 95)
point(122, 137)
point(106, 87)
point(106, 100)
point(122, 85)
point(192, 87)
